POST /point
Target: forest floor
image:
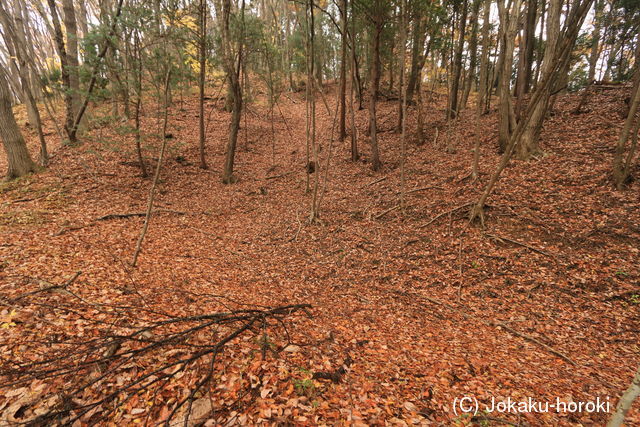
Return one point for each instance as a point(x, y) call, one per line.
point(409, 309)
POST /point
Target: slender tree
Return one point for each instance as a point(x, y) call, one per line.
point(342, 126)
point(202, 53)
point(232, 60)
point(453, 110)
point(18, 157)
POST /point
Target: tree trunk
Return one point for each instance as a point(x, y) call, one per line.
point(232, 68)
point(483, 84)
point(594, 54)
point(64, 67)
point(72, 52)
point(355, 154)
point(473, 52)
point(457, 65)
point(342, 131)
point(14, 36)
point(566, 41)
point(626, 400)
point(529, 145)
point(509, 22)
point(201, 80)
point(18, 157)
point(482, 87)
point(373, 87)
point(525, 60)
point(417, 55)
point(402, 46)
point(620, 166)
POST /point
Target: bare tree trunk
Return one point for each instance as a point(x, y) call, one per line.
point(311, 109)
point(620, 166)
point(529, 146)
point(14, 36)
point(72, 52)
point(138, 104)
point(156, 177)
point(457, 64)
point(232, 68)
point(566, 42)
point(82, 18)
point(526, 55)
point(594, 54)
point(473, 54)
point(378, 25)
point(64, 67)
point(418, 55)
point(342, 131)
point(626, 400)
point(484, 60)
point(482, 87)
point(18, 157)
point(201, 80)
point(402, 84)
point(403, 96)
point(509, 23)
point(355, 155)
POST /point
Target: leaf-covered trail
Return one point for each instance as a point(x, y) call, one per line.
point(570, 281)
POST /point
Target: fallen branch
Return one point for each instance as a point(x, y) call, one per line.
point(62, 287)
point(374, 182)
point(183, 345)
point(503, 326)
point(446, 213)
point(625, 402)
point(415, 190)
point(380, 215)
point(524, 245)
point(534, 340)
point(278, 176)
point(133, 214)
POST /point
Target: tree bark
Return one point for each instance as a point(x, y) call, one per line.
point(473, 54)
point(18, 157)
point(626, 400)
point(566, 42)
point(374, 83)
point(232, 68)
point(525, 60)
point(620, 166)
point(64, 67)
point(342, 130)
point(71, 28)
point(14, 36)
point(457, 65)
point(509, 22)
point(202, 45)
point(529, 145)
point(483, 84)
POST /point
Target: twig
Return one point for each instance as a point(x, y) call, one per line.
point(445, 213)
point(374, 182)
point(504, 326)
point(156, 178)
point(278, 176)
point(380, 215)
point(415, 190)
point(132, 214)
point(534, 340)
point(50, 288)
point(295, 237)
point(524, 245)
